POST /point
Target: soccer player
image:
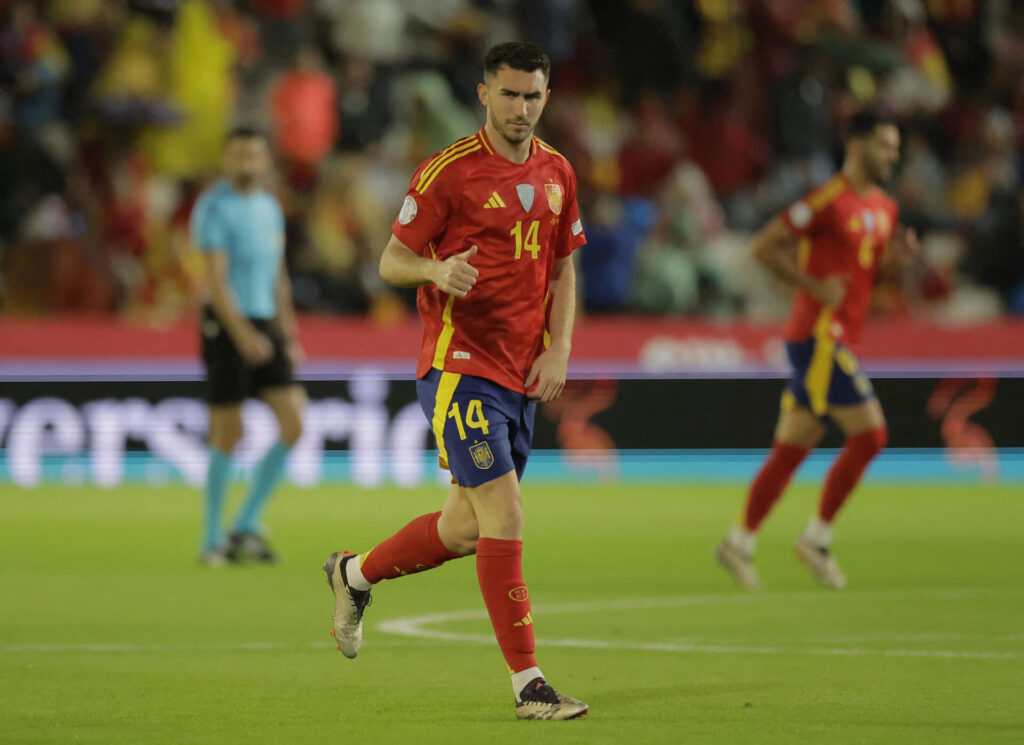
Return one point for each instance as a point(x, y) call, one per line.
point(249, 338)
point(829, 247)
point(486, 232)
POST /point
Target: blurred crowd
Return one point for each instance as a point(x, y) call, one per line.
point(689, 122)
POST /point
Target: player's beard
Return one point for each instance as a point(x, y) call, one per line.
point(876, 171)
point(513, 137)
point(244, 181)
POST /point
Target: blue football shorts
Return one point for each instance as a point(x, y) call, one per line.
point(483, 430)
point(825, 373)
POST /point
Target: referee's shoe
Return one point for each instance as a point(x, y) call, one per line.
point(249, 547)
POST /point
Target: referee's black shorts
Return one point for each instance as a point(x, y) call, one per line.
point(229, 378)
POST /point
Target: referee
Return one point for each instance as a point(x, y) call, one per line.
point(249, 338)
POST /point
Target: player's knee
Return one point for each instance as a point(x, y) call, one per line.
point(503, 519)
point(291, 431)
point(463, 545)
point(459, 536)
point(225, 437)
point(870, 442)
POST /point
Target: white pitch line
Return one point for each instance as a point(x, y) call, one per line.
point(416, 627)
point(211, 647)
point(412, 630)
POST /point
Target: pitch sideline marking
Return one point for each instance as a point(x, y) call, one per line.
point(416, 627)
point(412, 629)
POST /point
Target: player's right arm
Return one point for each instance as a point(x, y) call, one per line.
point(775, 248)
point(400, 266)
point(252, 344)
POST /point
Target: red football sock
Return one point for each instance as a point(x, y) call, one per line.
point(499, 568)
point(771, 480)
point(858, 450)
point(415, 548)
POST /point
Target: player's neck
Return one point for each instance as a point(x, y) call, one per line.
point(244, 185)
point(857, 178)
point(517, 152)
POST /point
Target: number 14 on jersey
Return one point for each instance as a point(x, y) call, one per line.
point(527, 242)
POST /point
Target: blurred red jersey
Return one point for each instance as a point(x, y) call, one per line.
point(520, 218)
point(840, 232)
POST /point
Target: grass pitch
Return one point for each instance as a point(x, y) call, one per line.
point(111, 633)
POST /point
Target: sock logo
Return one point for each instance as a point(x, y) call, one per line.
point(527, 620)
point(520, 594)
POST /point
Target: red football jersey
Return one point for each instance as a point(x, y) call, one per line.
point(839, 232)
point(520, 218)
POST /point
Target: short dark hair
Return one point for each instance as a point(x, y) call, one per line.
point(243, 132)
point(863, 123)
point(518, 55)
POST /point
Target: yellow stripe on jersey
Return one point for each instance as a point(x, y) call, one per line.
point(432, 165)
point(445, 337)
point(803, 252)
point(483, 141)
point(826, 194)
point(547, 148)
point(498, 200)
point(455, 155)
point(443, 399)
point(819, 372)
point(547, 334)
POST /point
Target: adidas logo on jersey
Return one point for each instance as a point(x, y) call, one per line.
point(494, 202)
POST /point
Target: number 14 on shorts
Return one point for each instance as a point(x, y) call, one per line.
point(474, 417)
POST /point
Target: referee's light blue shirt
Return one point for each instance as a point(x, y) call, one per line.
point(249, 228)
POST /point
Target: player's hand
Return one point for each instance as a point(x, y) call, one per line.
point(905, 245)
point(547, 376)
point(455, 275)
point(831, 290)
point(295, 352)
point(255, 347)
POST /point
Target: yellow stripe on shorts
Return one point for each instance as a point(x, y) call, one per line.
point(442, 401)
point(819, 372)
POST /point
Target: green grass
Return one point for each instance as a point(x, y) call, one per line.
point(111, 633)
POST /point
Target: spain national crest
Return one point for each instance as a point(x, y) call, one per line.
point(483, 458)
point(554, 192)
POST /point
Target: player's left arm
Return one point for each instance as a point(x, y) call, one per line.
point(550, 368)
point(286, 315)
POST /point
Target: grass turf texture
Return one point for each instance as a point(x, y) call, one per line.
point(111, 633)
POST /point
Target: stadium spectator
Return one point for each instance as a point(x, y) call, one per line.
point(753, 90)
point(303, 105)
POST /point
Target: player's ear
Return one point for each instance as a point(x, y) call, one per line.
point(481, 92)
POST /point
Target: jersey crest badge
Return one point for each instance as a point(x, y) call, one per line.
point(483, 458)
point(869, 221)
point(884, 223)
point(554, 192)
point(525, 192)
